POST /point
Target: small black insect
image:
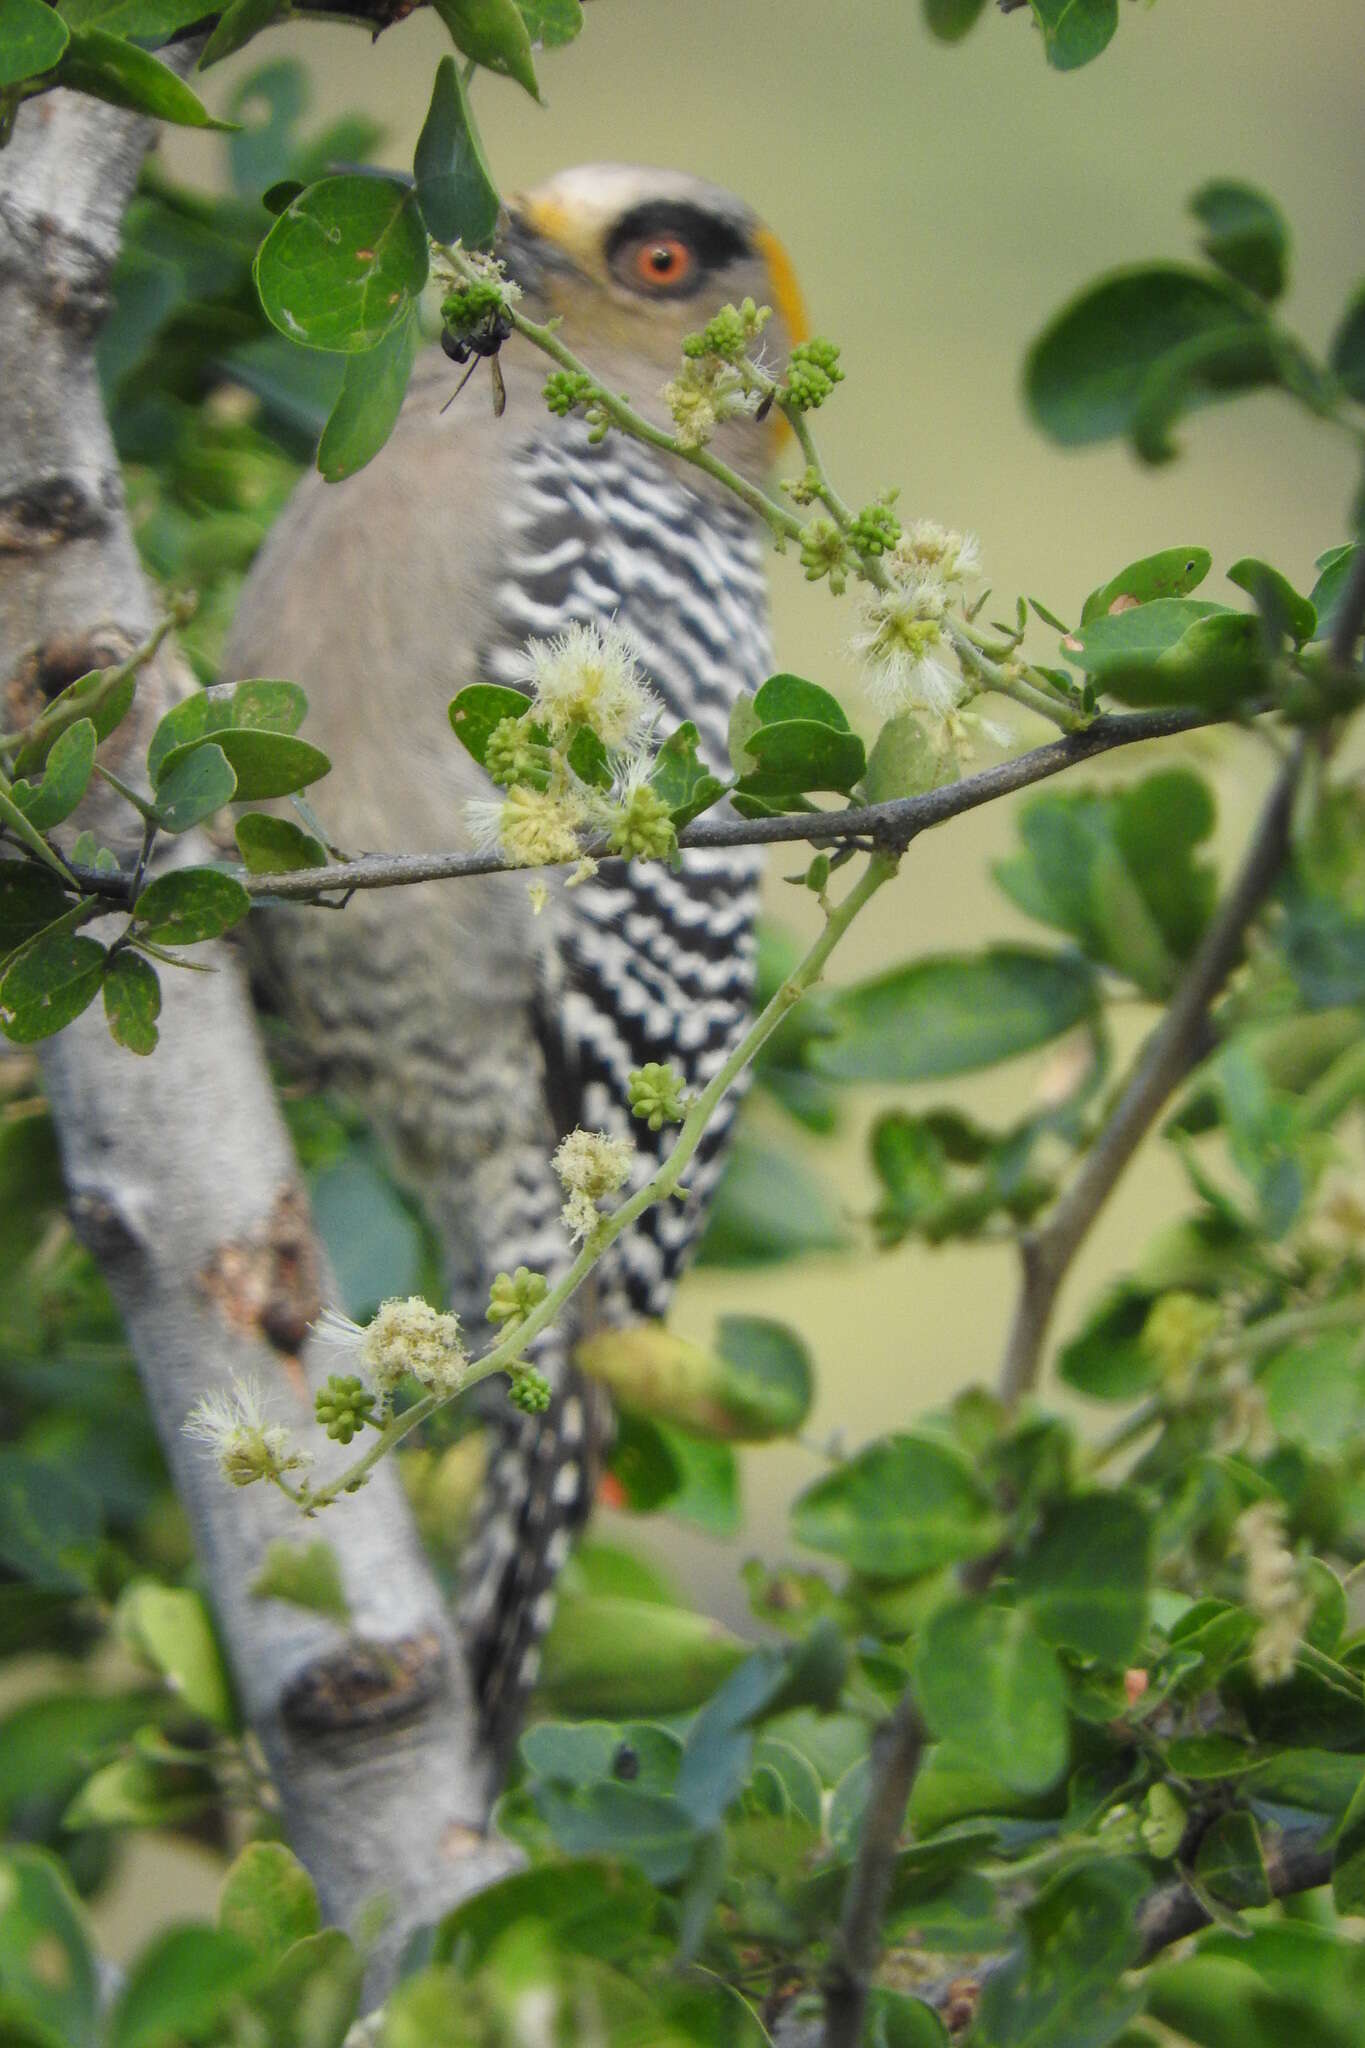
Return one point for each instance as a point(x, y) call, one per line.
point(626, 1763)
point(480, 343)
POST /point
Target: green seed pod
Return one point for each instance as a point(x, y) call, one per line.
point(761, 1391)
point(606, 1654)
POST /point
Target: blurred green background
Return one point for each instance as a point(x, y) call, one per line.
point(939, 203)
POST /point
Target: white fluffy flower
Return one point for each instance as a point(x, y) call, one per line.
point(928, 549)
point(590, 675)
point(1274, 1591)
point(405, 1335)
point(533, 827)
point(590, 1166)
point(899, 648)
point(232, 1423)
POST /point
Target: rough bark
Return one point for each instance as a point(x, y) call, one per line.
point(180, 1173)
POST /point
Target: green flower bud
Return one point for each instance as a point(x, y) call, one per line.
point(469, 305)
point(566, 389)
point(512, 1296)
point(729, 333)
point(529, 1390)
point(509, 756)
point(656, 1094)
point(643, 827)
point(812, 373)
point(875, 530)
point(803, 489)
point(824, 552)
point(343, 1406)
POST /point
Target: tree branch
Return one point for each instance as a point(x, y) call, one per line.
point(889, 826)
point(897, 1748)
point(1174, 1048)
point(180, 1174)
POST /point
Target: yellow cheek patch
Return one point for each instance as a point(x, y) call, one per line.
point(567, 228)
point(786, 292)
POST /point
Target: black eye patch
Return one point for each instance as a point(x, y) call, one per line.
point(714, 241)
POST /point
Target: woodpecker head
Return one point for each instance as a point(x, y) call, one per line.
point(632, 259)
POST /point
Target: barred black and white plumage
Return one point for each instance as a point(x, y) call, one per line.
point(474, 1033)
point(647, 964)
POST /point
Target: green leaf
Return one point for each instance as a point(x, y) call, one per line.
point(1329, 590)
point(770, 1372)
point(1175, 572)
point(50, 982)
point(649, 1829)
point(194, 718)
point(372, 1236)
point(305, 1574)
point(905, 761)
point(369, 403)
point(1085, 373)
point(587, 1752)
point(1219, 664)
point(144, 21)
point(1207, 366)
point(137, 1792)
point(1348, 347)
point(950, 20)
point(198, 782)
point(265, 764)
point(265, 705)
point(798, 754)
point(268, 1899)
point(343, 263)
point(551, 22)
point(132, 1002)
point(69, 764)
point(606, 1654)
point(110, 69)
point(945, 1176)
point(169, 1627)
point(455, 187)
point(1117, 872)
point(32, 38)
point(313, 1993)
point(1244, 234)
point(1075, 31)
point(1107, 1358)
point(237, 24)
point(184, 1983)
point(276, 846)
point(706, 1481)
point(1348, 1855)
point(49, 1523)
point(899, 1508)
point(478, 709)
point(1231, 1862)
point(682, 779)
point(589, 1908)
point(1284, 611)
point(49, 1990)
point(952, 1015)
point(784, 697)
point(190, 905)
point(988, 1680)
point(494, 34)
point(1084, 1575)
point(895, 2020)
point(1063, 1991)
point(1140, 634)
point(31, 898)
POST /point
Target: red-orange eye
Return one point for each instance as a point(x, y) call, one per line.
point(661, 260)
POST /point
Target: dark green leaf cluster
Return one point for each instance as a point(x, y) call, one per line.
point(219, 746)
point(1135, 353)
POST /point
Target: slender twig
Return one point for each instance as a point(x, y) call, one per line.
point(896, 1750)
point(892, 825)
point(1176, 1045)
point(1296, 1861)
point(511, 1347)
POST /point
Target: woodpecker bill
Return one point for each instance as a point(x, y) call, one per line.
point(475, 1034)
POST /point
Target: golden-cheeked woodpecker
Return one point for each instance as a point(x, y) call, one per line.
point(473, 1032)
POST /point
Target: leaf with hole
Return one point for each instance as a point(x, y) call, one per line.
point(132, 1002)
point(344, 263)
point(48, 984)
point(188, 906)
